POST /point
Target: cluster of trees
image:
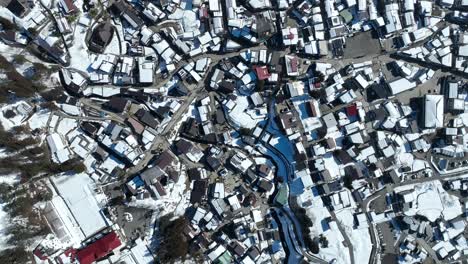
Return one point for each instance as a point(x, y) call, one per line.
point(306, 223)
point(15, 255)
point(10, 142)
point(312, 244)
point(7, 24)
point(28, 151)
point(50, 96)
point(323, 241)
point(73, 17)
point(19, 205)
point(173, 244)
point(17, 84)
point(42, 71)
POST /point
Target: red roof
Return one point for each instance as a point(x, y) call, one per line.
point(69, 255)
point(351, 110)
point(98, 249)
point(40, 254)
point(293, 62)
point(69, 6)
point(262, 73)
point(203, 12)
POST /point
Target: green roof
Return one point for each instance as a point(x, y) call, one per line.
point(225, 258)
point(347, 16)
point(282, 195)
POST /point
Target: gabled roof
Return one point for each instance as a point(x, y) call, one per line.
point(262, 72)
point(99, 249)
point(163, 160)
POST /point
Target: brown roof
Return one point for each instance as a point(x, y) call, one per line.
point(135, 125)
point(69, 5)
point(160, 189)
point(265, 185)
point(264, 169)
point(238, 248)
point(199, 190)
point(164, 159)
point(118, 104)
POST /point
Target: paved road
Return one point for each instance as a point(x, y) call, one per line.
point(161, 141)
point(83, 118)
point(429, 249)
point(111, 116)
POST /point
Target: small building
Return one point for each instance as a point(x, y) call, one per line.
point(118, 104)
point(67, 6)
point(101, 37)
point(433, 115)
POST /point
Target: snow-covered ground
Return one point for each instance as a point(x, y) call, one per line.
point(113, 47)
point(80, 58)
point(359, 237)
point(176, 200)
point(39, 120)
point(430, 200)
point(242, 116)
point(319, 214)
point(10, 179)
point(4, 220)
point(8, 51)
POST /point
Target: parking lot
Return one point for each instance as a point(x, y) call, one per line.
point(139, 224)
point(140, 221)
point(386, 237)
point(360, 45)
point(379, 205)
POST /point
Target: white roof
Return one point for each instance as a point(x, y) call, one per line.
point(433, 111)
point(76, 192)
point(290, 36)
point(141, 253)
point(216, 253)
point(363, 82)
point(463, 50)
point(401, 85)
point(55, 142)
point(214, 5)
point(257, 216)
point(145, 69)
